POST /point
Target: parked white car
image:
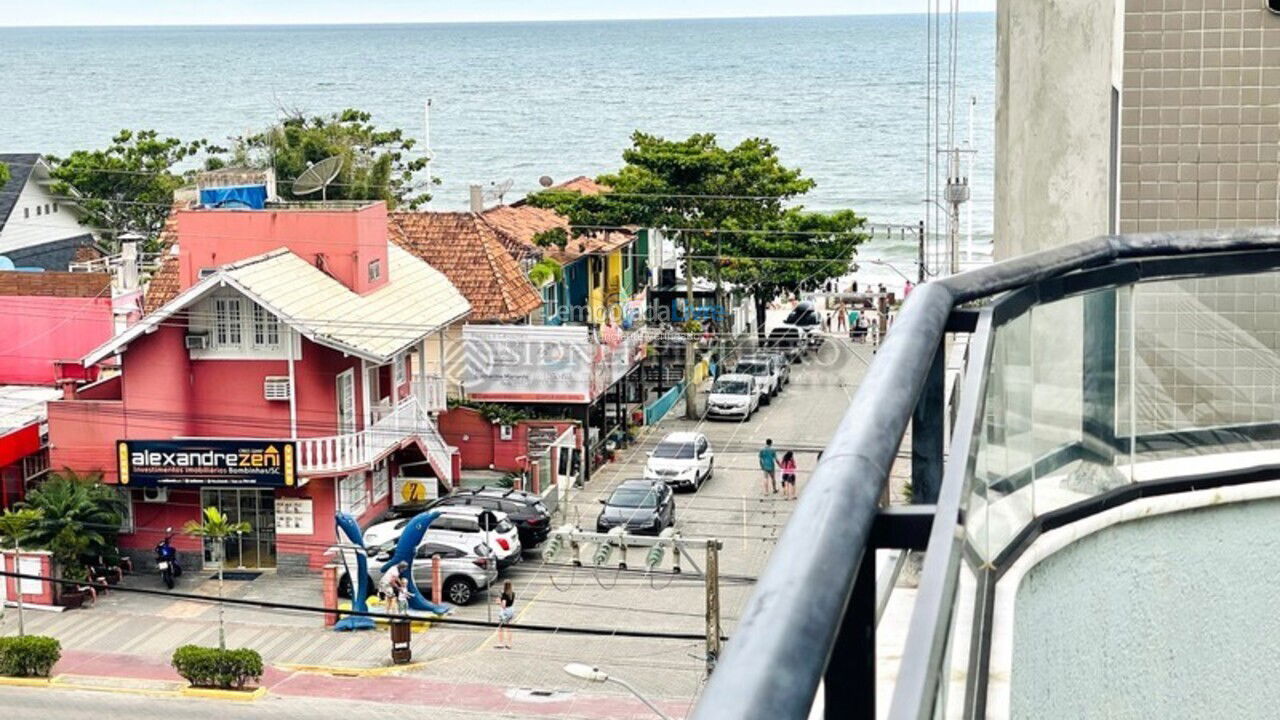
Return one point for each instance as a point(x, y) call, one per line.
point(733, 395)
point(681, 459)
point(765, 372)
point(458, 525)
point(463, 570)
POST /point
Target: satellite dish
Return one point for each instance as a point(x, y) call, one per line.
point(545, 181)
point(317, 177)
point(499, 189)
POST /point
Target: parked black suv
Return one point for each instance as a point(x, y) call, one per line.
point(531, 518)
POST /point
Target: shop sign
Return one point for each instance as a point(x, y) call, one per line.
point(294, 517)
point(414, 490)
point(166, 463)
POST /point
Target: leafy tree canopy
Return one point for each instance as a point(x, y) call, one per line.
point(127, 186)
point(376, 161)
point(735, 204)
point(4, 173)
point(78, 517)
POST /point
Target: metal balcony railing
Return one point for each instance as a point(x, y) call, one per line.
point(349, 451)
point(1062, 410)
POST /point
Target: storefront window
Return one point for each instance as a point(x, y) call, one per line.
point(126, 509)
point(353, 495)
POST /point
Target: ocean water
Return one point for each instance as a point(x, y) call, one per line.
point(843, 97)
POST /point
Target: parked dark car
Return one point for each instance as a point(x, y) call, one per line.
point(643, 507)
point(787, 340)
point(531, 517)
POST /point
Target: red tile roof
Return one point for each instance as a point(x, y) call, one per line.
point(524, 222)
point(163, 285)
point(474, 255)
point(55, 284)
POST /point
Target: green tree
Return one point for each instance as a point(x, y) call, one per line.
point(218, 529)
point(376, 161)
point(4, 173)
point(79, 519)
point(732, 210)
point(127, 186)
point(15, 526)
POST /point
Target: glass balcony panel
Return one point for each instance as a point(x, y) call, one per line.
point(1206, 374)
point(1005, 443)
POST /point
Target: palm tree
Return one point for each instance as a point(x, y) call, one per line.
point(16, 525)
point(75, 506)
point(217, 528)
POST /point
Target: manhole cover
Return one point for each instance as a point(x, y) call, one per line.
point(538, 695)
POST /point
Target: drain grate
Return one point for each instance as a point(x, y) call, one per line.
point(538, 695)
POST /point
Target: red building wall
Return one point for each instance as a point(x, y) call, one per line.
point(480, 442)
point(348, 240)
point(38, 330)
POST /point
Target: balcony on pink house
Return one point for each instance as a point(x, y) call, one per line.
point(297, 328)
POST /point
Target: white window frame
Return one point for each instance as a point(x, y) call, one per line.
point(381, 481)
point(551, 300)
point(234, 323)
point(375, 269)
point(228, 323)
point(266, 329)
point(398, 371)
point(353, 494)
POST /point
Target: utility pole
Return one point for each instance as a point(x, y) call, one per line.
point(957, 195)
point(711, 578)
point(920, 255)
point(690, 343)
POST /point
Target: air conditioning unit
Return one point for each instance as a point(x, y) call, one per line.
point(197, 342)
point(277, 388)
point(155, 494)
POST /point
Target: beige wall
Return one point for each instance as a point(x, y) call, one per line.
point(1200, 126)
point(1054, 70)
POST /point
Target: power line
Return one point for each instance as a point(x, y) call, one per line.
point(435, 620)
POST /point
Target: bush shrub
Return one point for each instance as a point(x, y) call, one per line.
point(211, 667)
point(29, 656)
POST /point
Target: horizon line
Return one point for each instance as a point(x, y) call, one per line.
point(70, 26)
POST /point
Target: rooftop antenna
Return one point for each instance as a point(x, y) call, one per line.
point(318, 177)
point(498, 189)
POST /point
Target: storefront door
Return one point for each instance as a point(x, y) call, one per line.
point(254, 549)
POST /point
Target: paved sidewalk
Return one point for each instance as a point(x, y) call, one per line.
point(120, 673)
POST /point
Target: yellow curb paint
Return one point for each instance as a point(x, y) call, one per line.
point(216, 694)
point(24, 681)
point(63, 682)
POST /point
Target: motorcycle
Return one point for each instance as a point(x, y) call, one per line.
point(167, 559)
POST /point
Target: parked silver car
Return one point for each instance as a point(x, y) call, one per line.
point(464, 570)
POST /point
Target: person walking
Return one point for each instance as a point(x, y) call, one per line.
point(842, 318)
point(506, 613)
point(789, 476)
point(394, 589)
point(769, 467)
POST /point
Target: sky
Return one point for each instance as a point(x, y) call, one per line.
point(252, 12)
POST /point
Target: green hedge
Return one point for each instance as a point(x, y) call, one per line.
point(211, 667)
point(28, 656)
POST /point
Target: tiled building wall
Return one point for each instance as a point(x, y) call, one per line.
point(1200, 115)
point(1200, 149)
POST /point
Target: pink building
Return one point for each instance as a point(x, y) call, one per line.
point(48, 320)
point(276, 377)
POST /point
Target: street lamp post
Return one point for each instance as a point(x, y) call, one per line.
point(590, 673)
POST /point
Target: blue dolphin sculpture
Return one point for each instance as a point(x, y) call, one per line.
point(406, 549)
point(346, 525)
